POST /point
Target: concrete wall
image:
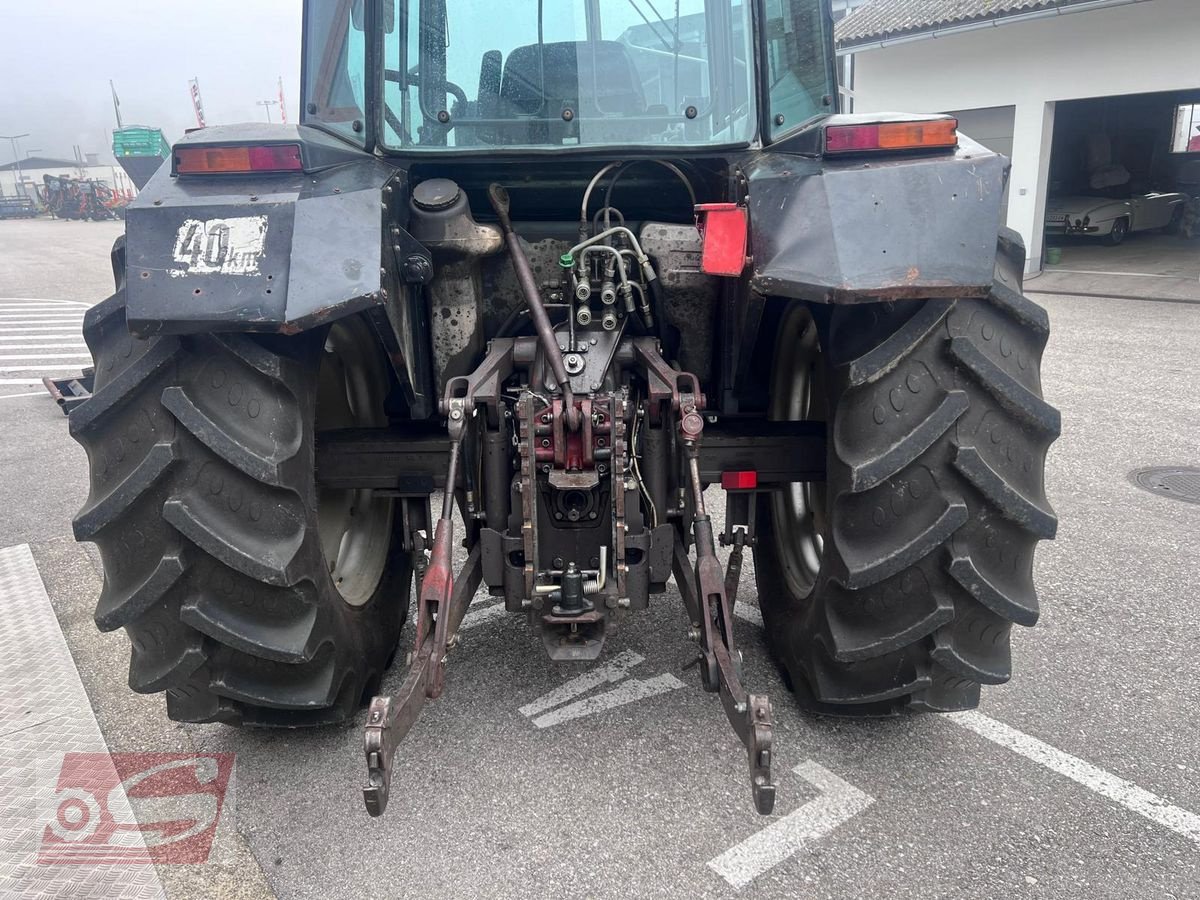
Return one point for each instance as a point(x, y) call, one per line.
point(1140, 48)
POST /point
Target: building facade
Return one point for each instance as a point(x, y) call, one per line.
point(1013, 69)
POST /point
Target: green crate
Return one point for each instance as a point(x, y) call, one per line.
point(138, 141)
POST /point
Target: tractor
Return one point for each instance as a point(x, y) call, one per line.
point(566, 304)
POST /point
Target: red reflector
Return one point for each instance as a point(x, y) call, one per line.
point(238, 160)
point(930, 135)
point(739, 481)
point(725, 229)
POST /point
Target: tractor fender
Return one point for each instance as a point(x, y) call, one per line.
point(277, 253)
point(875, 228)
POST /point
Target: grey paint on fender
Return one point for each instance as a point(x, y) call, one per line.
point(319, 259)
point(868, 228)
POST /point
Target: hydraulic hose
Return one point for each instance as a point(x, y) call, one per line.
point(529, 286)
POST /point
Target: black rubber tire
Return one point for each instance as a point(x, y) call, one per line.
point(935, 498)
point(1175, 226)
point(1118, 236)
point(203, 506)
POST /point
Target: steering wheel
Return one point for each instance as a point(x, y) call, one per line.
point(414, 78)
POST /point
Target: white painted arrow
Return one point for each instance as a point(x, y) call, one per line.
point(626, 692)
point(568, 690)
point(839, 802)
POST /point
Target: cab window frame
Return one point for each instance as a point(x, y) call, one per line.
point(771, 132)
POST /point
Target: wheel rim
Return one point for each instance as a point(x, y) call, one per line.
point(355, 525)
point(797, 394)
point(1119, 230)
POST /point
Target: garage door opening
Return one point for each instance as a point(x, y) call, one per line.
point(1121, 209)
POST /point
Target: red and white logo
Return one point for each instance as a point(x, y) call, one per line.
point(136, 808)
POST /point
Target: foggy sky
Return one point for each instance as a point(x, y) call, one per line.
point(58, 57)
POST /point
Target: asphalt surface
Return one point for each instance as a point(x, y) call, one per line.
point(638, 799)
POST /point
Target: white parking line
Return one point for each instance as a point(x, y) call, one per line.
point(40, 328)
point(27, 347)
point(615, 670)
point(42, 300)
point(45, 394)
point(62, 324)
point(37, 318)
point(32, 307)
point(49, 356)
point(1129, 795)
point(38, 368)
point(626, 692)
point(1116, 274)
point(25, 382)
point(839, 802)
point(26, 331)
point(64, 336)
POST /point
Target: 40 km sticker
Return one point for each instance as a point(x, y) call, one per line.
point(220, 246)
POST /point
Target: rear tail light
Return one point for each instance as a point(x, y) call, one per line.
point(238, 160)
point(927, 135)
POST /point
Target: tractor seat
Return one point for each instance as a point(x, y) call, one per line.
point(591, 77)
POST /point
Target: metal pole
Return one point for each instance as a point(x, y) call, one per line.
point(12, 139)
point(116, 104)
point(267, 104)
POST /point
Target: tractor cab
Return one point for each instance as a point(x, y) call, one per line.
point(436, 75)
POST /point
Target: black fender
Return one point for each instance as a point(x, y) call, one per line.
point(868, 228)
point(266, 253)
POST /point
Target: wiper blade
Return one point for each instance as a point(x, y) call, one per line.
point(637, 9)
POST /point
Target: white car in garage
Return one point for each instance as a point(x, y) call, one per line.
point(1113, 220)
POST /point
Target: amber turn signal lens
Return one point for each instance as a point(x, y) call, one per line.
point(929, 135)
point(238, 160)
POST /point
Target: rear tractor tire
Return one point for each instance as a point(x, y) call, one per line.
point(895, 583)
point(249, 596)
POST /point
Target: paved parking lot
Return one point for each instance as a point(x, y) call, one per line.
point(1080, 779)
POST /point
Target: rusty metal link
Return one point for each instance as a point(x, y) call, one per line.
point(664, 383)
point(619, 463)
point(441, 606)
point(733, 574)
point(708, 591)
point(528, 430)
point(749, 714)
point(389, 719)
point(484, 384)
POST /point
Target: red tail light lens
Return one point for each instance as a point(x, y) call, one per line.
point(238, 160)
point(931, 135)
